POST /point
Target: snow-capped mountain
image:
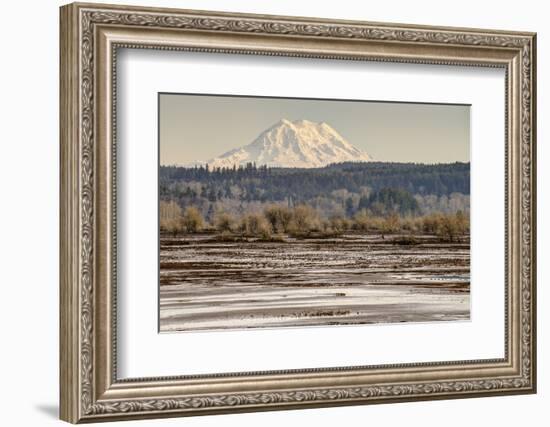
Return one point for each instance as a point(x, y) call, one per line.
point(299, 144)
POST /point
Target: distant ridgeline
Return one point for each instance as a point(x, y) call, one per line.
point(344, 188)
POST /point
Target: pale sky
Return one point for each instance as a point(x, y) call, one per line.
point(200, 127)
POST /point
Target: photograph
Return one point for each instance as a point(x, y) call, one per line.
point(291, 212)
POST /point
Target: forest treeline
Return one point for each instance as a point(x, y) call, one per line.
point(339, 190)
point(275, 184)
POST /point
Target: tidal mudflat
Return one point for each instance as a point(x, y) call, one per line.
point(210, 284)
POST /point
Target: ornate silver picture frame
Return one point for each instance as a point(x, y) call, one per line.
point(91, 36)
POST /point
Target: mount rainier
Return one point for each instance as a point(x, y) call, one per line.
point(296, 144)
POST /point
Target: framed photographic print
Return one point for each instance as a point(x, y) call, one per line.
point(265, 212)
point(302, 228)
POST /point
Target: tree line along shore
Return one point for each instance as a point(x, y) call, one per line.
point(336, 190)
point(276, 221)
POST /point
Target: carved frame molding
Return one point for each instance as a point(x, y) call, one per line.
point(90, 36)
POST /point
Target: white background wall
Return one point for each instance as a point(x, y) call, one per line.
point(29, 170)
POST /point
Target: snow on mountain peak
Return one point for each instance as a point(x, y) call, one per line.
point(299, 144)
